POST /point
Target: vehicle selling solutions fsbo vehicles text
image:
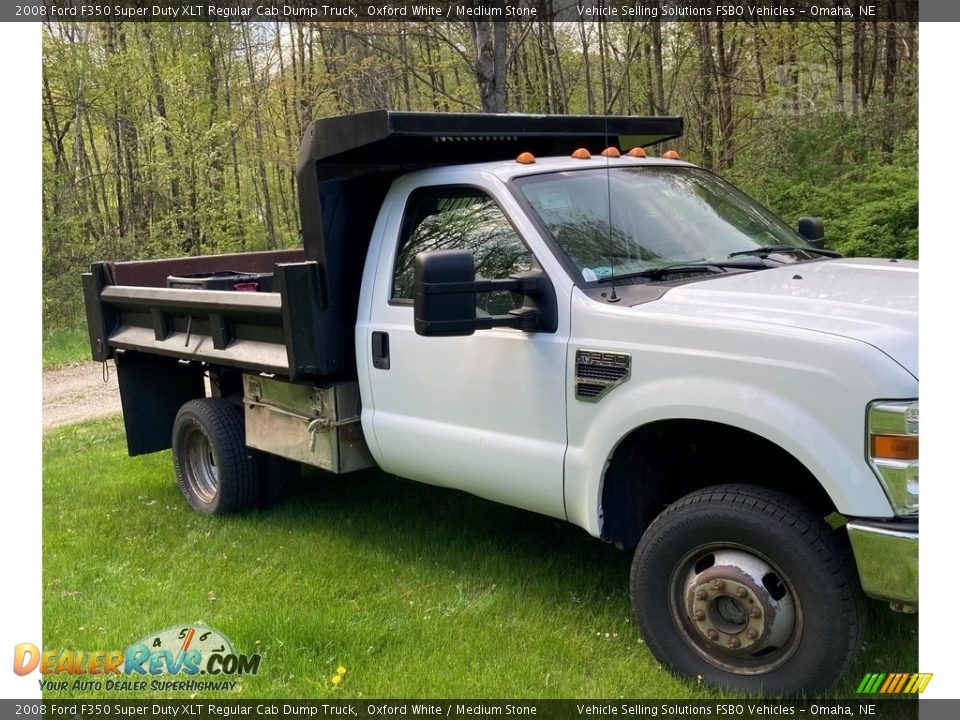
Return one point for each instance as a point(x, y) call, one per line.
point(722, 11)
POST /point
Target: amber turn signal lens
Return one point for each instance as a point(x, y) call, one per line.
point(611, 152)
point(671, 155)
point(894, 447)
point(581, 154)
point(637, 152)
point(526, 158)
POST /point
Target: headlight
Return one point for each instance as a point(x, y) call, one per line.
point(893, 450)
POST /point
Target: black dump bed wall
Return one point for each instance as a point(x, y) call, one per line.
point(346, 166)
point(154, 273)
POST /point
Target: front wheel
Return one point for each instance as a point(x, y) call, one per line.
point(749, 590)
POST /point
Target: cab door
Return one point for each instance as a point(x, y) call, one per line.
point(484, 413)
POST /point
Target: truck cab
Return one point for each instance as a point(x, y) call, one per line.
point(618, 340)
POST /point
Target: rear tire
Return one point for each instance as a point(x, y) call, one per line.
point(749, 590)
point(215, 471)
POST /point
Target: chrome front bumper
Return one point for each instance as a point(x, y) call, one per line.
point(888, 559)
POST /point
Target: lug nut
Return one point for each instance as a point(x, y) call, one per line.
point(741, 592)
point(752, 634)
point(734, 643)
point(718, 584)
point(755, 612)
point(712, 634)
point(699, 615)
point(701, 595)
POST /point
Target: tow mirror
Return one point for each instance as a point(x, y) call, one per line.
point(811, 229)
point(445, 297)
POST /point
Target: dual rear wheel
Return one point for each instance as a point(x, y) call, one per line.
point(216, 471)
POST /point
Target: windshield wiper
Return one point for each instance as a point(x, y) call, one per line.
point(768, 249)
point(675, 269)
point(708, 266)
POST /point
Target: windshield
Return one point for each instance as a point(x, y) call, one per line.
point(649, 217)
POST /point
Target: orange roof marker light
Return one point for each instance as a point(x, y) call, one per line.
point(611, 152)
point(581, 154)
point(671, 155)
point(637, 152)
point(526, 158)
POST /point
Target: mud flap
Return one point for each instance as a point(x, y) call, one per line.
point(153, 388)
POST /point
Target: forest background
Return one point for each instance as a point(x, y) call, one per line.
point(165, 139)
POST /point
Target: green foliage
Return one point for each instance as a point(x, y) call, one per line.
point(168, 139)
point(829, 165)
point(65, 345)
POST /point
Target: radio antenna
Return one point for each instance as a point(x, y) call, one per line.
point(606, 139)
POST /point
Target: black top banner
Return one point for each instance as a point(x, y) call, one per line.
point(482, 10)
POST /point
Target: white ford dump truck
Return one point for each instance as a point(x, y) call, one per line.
point(535, 311)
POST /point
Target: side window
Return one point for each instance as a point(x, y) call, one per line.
point(452, 218)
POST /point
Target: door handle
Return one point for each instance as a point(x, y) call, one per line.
point(380, 347)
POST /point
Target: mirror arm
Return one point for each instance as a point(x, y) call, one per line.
point(523, 318)
point(526, 319)
point(528, 285)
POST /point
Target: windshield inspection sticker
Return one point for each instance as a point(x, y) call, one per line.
point(555, 198)
point(597, 273)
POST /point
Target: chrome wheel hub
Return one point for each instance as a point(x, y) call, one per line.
point(202, 474)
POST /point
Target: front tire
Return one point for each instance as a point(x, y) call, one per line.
point(749, 590)
point(215, 471)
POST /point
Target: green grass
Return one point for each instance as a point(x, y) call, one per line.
point(63, 346)
point(417, 591)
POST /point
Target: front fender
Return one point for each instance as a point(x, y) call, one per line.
point(827, 444)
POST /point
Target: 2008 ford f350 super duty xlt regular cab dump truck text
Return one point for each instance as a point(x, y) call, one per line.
point(533, 310)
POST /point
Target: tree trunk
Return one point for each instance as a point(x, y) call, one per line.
point(587, 68)
point(656, 39)
point(226, 54)
point(758, 46)
point(725, 69)
point(856, 63)
point(558, 87)
point(707, 74)
point(258, 148)
point(490, 67)
point(838, 63)
point(52, 125)
point(890, 58)
point(868, 72)
point(160, 103)
point(213, 88)
point(604, 69)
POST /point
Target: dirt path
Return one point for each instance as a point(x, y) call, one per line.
point(77, 392)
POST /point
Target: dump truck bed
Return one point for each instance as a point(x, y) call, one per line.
point(129, 307)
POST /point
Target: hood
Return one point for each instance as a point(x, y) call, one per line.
point(874, 301)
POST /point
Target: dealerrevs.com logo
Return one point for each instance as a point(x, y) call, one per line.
point(184, 657)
